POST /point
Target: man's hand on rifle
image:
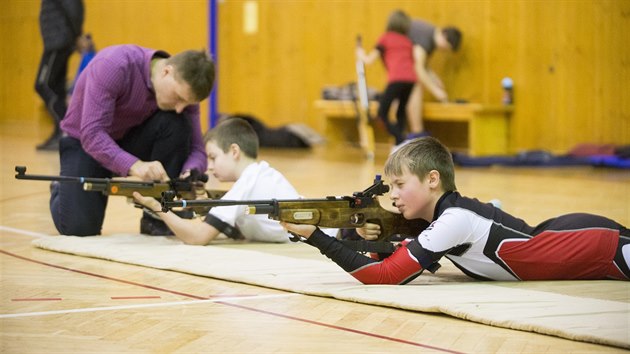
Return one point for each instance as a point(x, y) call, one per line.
point(149, 171)
point(148, 202)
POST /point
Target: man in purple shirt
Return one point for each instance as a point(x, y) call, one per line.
point(134, 112)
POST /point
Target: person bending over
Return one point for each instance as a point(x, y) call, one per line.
point(426, 39)
point(134, 112)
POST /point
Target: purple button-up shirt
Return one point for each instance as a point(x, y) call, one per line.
point(114, 94)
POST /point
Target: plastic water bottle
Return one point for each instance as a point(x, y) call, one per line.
point(508, 87)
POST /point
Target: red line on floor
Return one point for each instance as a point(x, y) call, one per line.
point(398, 340)
point(134, 297)
point(104, 276)
point(374, 335)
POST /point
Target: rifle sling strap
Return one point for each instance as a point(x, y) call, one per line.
point(223, 227)
point(370, 246)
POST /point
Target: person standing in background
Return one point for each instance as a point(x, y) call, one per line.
point(395, 50)
point(61, 25)
point(87, 49)
point(426, 38)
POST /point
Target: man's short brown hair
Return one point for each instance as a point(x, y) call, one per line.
point(196, 68)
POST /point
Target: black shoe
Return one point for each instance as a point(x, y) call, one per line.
point(51, 144)
point(154, 227)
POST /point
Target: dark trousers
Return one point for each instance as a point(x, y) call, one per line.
point(165, 137)
point(401, 92)
point(50, 83)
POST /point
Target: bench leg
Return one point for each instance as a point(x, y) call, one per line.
point(366, 136)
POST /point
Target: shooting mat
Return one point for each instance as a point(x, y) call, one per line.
point(542, 307)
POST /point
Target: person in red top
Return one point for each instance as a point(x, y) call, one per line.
point(395, 49)
point(484, 242)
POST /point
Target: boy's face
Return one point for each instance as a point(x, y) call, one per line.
point(412, 196)
point(172, 94)
point(222, 165)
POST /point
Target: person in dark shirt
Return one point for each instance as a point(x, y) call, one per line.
point(426, 39)
point(61, 25)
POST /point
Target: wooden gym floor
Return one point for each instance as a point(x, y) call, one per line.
point(58, 303)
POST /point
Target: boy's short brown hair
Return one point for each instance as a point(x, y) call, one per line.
point(420, 156)
point(196, 68)
point(234, 131)
point(453, 37)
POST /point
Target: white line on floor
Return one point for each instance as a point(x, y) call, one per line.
point(23, 232)
point(127, 307)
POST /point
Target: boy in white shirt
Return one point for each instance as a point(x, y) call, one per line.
point(232, 148)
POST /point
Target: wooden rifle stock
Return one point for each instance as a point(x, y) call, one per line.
point(346, 212)
point(119, 187)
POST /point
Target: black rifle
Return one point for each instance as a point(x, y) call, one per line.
point(348, 212)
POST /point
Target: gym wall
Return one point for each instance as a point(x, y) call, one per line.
point(569, 59)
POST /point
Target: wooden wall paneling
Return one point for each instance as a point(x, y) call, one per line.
point(529, 92)
point(20, 51)
point(569, 59)
point(574, 66)
point(173, 26)
point(463, 71)
point(611, 35)
point(229, 52)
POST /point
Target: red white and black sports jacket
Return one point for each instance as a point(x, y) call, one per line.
point(489, 244)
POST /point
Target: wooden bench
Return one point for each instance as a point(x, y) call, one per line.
point(469, 127)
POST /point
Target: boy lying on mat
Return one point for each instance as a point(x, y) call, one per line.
point(232, 148)
point(483, 241)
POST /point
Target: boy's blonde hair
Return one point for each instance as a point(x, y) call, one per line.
point(420, 156)
point(398, 22)
point(234, 131)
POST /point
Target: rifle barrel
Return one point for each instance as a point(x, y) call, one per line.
point(213, 203)
point(21, 174)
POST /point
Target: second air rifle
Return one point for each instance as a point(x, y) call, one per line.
point(182, 188)
point(347, 212)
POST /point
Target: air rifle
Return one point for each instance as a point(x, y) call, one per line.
point(347, 212)
point(122, 187)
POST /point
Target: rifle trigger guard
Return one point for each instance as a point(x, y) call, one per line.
point(357, 219)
